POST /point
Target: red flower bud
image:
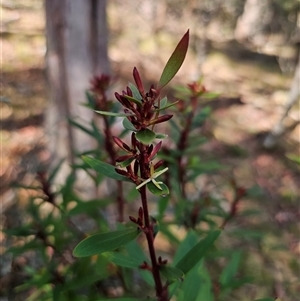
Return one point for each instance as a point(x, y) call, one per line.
point(121, 144)
point(133, 141)
point(158, 164)
point(133, 219)
point(124, 158)
point(129, 92)
point(138, 81)
point(149, 149)
point(136, 167)
point(141, 212)
point(160, 119)
point(155, 150)
point(122, 172)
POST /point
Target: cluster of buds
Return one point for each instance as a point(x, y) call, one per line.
point(99, 86)
point(146, 266)
point(142, 110)
point(143, 107)
point(134, 154)
point(194, 90)
point(139, 221)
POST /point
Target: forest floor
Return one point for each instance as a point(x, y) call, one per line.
point(237, 131)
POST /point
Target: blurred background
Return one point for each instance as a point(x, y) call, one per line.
point(245, 50)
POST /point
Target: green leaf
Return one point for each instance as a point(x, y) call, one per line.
point(183, 90)
point(124, 260)
point(163, 102)
point(161, 136)
point(162, 206)
point(171, 273)
point(81, 127)
point(97, 133)
point(104, 168)
point(135, 92)
point(191, 285)
point(175, 61)
point(227, 275)
point(205, 291)
point(128, 125)
point(102, 265)
point(189, 241)
point(103, 242)
point(173, 287)
point(132, 99)
point(145, 136)
point(153, 189)
point(26, 230)
point(210, 95)
point(166, 107)
point(114, 114)
point(265, 299)
point(147, 277)
point(91, 99)
point(194, 255)
point(293, 157)
point(135, 251)
point(125, 163)
point(201, 117)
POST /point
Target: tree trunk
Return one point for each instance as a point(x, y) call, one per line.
point(77, 36)
point(252, 25)
point(281, 127)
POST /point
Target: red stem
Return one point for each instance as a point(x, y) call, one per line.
point(161, 291)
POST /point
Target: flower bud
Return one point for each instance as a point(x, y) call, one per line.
point(124, 158)
point(121, 144)
point(160, 119)
point(138, 81)
point(158, 164)
point(155, 150)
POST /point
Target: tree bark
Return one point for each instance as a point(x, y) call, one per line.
point(77, 37)
point(281, 127)
point(252, 25)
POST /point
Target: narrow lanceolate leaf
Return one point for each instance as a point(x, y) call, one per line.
point(126, 162)
point(265, 299)
point(161, 136)
point(171, 273)
point(167, 106)
point(125, 260)
point(194, 255)
point(132, 99)
point(163, 102)
point(227, 275)
point(81, 127)
point(135, 92)
point(114, 114)
point(128, 125)
point(104, 168)
point(91, 99)
point(175, 61)
point(145, 136)
point(103, 242)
